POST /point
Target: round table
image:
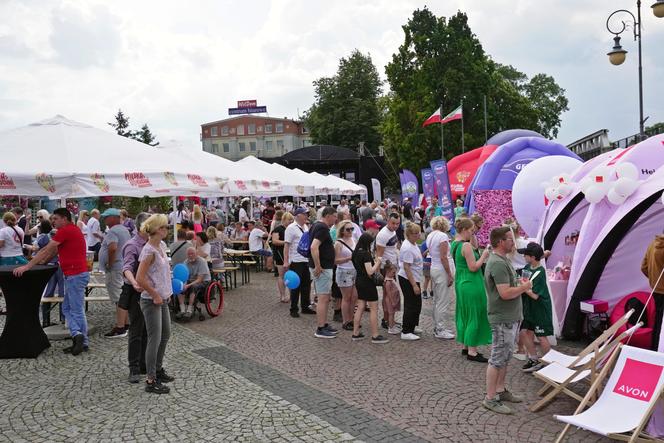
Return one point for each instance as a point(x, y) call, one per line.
point(23, 336)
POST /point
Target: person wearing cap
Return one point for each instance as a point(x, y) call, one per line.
point(537, 315)
point(110, 261)
point(297, 263)
point(371, 226)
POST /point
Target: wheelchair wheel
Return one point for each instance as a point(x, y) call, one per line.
point(214, 299)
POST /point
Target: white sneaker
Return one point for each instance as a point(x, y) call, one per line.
point(518, 356)
point(394, 330)
point(409, 337)
point(418, 330)
point(446, 335)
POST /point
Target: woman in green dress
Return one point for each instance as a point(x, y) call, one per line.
point(472, 323)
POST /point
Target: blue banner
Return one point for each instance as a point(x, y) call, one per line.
point(442, 180)
point(256, 110)
point(409, 186)
point(427, 184)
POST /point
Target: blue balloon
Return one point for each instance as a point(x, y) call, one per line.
point(291, 280)
point(181, 272)
point(177, 286)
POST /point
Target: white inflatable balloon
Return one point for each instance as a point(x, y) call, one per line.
point(627, 170)
point(528, 195)
point(601, 174)
point(615, 198)
point(595, 193)
point(625, 186)
point(565, 189)
point(585, 184)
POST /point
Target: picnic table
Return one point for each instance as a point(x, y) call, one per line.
point(23, 336)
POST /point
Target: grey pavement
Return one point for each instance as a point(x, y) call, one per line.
point(255, 374)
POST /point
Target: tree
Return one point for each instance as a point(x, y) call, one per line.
point(121, 124)
point(442, 61)
point(345, 111)
point(145, 136)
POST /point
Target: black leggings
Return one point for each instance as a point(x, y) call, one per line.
point(301, 293)
point(412, 306)
point(659, 311)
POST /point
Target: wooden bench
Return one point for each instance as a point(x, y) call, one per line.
point(46, 321)
point(226, 270)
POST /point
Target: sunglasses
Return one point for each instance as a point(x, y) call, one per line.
point(349, 229)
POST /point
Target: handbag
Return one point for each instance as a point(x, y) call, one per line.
point(378, 278)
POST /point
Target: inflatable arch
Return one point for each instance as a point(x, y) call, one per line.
point(507, 136)
point(500, 170)
point(462, 168)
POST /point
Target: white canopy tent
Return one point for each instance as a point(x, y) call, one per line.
point(61, 158)
point(347, 187)
point(292, 184)
point(241, 179)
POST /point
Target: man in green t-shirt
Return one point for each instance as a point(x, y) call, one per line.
point(504, 309)
point(537, 316)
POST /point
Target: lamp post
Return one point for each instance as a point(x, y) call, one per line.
point(617, 55)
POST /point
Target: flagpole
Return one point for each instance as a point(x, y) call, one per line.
point(486, 133)
point(442, 135)
point(463, 146)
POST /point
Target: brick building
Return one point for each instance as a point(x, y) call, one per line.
point(235, 138)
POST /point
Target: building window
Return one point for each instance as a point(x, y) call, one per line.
point(242, 146)
point(306, 142)
point(251, 129)
point(214, 131)
point(226, 147)
point(280, 128)
point(268, 145)
point(350, 176)
point(240, 130)
point(304, 130)
point(224, 130)
point(280, 145)
point(215, 148)
point(252, 146)
point(268, 129)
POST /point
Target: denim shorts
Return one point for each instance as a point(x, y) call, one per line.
point(503, 342)
point(322, 283)
point(345, 277)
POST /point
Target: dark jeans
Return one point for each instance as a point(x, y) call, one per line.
point(95, 249)
point(300, 293)
point(412, 306)
point(659, 311)
point(138, 336)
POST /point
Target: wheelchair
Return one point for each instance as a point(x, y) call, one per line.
point(210, 297)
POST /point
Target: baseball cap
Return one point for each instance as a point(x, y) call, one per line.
point(110, 212)
point(299, 211)
point(371, 224)
point(533, 250)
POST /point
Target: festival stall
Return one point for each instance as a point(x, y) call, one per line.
point(61, 158)
point(490, 191)
point(240, 179)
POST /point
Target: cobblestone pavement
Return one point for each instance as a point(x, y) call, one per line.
point(255, 374)
point(424, 388)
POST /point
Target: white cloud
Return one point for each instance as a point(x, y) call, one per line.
point(176, 65)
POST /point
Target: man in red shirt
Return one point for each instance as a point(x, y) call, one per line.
point(69, 244)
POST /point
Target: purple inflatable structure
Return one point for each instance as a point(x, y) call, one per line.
point(608, 241)
point(500, 170)
point(507, 136)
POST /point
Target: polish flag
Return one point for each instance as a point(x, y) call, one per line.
point(457, 114)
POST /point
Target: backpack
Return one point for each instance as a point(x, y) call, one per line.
point(304, 245)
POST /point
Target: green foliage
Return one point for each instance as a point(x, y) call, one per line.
point(145, 136)
point(345, 111)
point(121, 124)
point(657, 128)
point(442, 61)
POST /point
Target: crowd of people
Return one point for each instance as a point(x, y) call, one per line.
point(347, 255)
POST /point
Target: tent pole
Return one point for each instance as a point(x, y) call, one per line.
point(175, 208)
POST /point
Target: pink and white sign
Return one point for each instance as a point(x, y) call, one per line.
point(638, 380)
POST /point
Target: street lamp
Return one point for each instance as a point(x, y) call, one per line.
point(617, 54)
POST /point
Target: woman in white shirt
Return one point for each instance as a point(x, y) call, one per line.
point(11, 242)
point(442, 277)
point(346, 274)
point(410, 278)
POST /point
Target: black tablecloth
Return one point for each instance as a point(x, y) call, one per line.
point(23, 336)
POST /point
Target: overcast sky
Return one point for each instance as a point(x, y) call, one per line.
point(177, 64)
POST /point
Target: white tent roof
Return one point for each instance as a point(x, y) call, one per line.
point(347, 187)
point(59, 158)
point(238, 179)
point(292, 183)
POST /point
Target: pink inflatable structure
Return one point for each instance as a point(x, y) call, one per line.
point(606, 241)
